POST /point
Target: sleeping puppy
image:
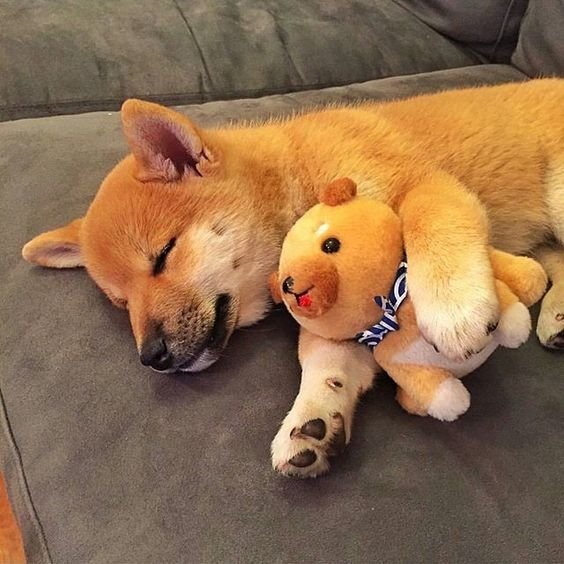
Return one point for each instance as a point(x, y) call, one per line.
point(186, 229)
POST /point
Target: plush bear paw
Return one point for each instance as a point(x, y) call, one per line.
point(450, 401)
point(514, 326)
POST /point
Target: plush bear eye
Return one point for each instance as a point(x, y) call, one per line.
point(331, 245)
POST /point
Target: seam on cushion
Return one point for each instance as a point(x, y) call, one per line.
point(462, 47)
point(515, 53)
point(196, 42)
point(182, 98)
point(200, 98)
point(23, 484)
point(503, 27)
point(109, 105)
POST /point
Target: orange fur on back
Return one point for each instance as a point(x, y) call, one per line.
point(503, 144)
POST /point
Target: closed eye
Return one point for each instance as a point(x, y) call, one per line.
point(160, 261)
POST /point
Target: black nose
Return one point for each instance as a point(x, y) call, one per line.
point(287, 285)
point(154, 353)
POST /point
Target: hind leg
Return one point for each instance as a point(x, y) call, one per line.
point(550, 327)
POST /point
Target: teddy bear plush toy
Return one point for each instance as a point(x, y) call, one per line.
point(343, 274)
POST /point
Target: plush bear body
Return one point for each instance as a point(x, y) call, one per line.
point(343, 275)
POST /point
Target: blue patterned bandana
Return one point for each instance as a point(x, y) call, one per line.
point(389, 322)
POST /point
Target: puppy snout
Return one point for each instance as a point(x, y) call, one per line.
point(155, 353)
point(288, 285)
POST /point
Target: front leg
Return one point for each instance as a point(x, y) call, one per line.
point(450, 275)
point(334, 376)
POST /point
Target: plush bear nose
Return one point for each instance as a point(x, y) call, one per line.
point(287, 285)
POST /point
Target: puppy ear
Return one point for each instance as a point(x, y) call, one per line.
point(338, 192)
point(59, 248)
point(274, 286)
point(166, 144)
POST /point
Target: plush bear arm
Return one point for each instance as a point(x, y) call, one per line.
point(524, 276)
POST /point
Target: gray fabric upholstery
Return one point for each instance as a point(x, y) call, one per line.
point(489, 27)
point(540, 50)
point(108, 462)
point(69, 56)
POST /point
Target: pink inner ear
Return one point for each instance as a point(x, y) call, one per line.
point(55, 255)
point(63, 249)
point(166, 149)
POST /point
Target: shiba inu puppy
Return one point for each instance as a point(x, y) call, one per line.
point(186, 229)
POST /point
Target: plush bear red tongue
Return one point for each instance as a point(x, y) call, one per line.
point(304, 300)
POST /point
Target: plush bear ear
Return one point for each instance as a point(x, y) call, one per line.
point(274, 286)
point(338, 192)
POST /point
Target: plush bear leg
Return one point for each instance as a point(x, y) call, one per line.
point(409, 404)
point(436, 390)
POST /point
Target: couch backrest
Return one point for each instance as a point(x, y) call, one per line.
point(540, 50)
point(69, 56)
point(489, 27)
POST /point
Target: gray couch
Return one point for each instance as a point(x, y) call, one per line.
point(107, 461)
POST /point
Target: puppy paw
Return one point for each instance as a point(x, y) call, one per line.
point(550, 327)
point(450, 401)
point(461, 326)
point(306, 440)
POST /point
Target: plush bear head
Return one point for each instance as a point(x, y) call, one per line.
point(336, 258)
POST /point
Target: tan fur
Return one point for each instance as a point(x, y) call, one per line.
point(364, 266)
point(498, 142)
point(454, 165)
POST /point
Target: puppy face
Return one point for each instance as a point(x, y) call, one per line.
point(334, 261)
point(172, 237)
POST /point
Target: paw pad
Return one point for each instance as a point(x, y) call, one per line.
point(315, 428)
point(303, 459)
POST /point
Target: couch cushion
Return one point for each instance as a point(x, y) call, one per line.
point(107, 461)
point(68, 56)
point(540, 50)
point(489, 27)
